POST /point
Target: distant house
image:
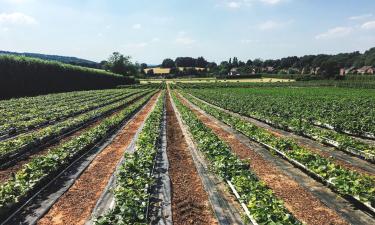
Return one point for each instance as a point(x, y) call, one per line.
point(267, 69)
point(345, 71)
point(366, 70)
point(316, 70)
point(350, 70)
point(305, 70)
point(196, 68)
point(270, 69)
point(234, 72)
point(158, 71)
point(342, 72)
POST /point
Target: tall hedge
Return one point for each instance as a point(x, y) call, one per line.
point(24, 76)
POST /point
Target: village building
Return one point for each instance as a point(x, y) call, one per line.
point(366, 70)
point(158, 71)
point(342, 72)
point(234, 72)
point(350, 70)
point(270, 69)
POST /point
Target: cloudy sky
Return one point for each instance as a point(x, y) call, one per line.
point(151, 30)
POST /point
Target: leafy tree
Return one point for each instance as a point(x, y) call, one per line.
point(212, 65)
point(185, 62)
point(175, 71)
point(330, 68)
point(150, 72)
point(370, 57)
point(168, 63)
point(235, 62)
point(241, 64)
point(257, 62)
point(224, 68)
point(201, 62)
point(143, 66)
point(249, 62)
point(120, 64)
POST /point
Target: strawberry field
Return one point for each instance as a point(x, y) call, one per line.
point(189, 154)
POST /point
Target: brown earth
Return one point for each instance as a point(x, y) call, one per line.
point(190, 204)
point(76, 205)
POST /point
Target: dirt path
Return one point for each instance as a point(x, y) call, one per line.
point(299, 201)
point(76, 205)
point(190, 204)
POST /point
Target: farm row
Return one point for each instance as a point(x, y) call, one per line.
point(330, 116)
point(184, 155)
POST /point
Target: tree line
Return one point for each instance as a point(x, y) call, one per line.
point(25, 76)
point(321, 64)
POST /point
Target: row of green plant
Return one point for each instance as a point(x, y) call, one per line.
point(24, 102)
point(42, 168)
point(346, 83)
point(344, 181)
point(346, 110)
point(23, 76)
point(262, 203)
point(302, 126)
point(38, 137)
point(340, 141)
point(39, 115)
point(28, 107)
point(134, 176)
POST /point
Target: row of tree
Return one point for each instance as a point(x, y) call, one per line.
point(185, 62)
point(329, 65)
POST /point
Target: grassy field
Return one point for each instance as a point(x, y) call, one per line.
point(212, 80)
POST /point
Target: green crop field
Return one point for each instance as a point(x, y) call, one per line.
point(257, 139)
point(220, 112)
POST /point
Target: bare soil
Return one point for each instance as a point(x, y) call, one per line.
point(190, 204)
point(76, 205)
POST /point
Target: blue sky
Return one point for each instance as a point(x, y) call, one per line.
point(151, 30)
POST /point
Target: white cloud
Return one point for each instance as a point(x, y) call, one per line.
point(182, 33)
point(137, 45)
point(137, 26)
point(271, 2)
point(155, 39)
point(17, 1)
point(369, 25)
point(16, 18)
point(161, 20)
point(144, 44)
point(234, 5)
point(4, 29)
point(336, 32)
point(273, 25)
point(360, 17)
point(249, 41)
point(185, 40)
